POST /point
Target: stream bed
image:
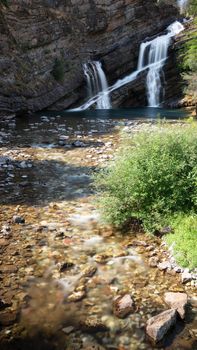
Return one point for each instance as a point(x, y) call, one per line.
point(60, 266)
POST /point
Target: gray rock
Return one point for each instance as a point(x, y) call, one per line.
point(68, 329)
point(177, 301)
point(160, 324)
point(79, 144)
point(23, 164)
point(17, 219)
point(164, 265)
point(186, 277)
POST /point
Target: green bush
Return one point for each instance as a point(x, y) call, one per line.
point(183, 240)
point(153, 177)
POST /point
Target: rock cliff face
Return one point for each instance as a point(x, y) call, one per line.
point(43, 44)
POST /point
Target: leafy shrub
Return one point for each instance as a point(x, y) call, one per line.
point(4, 2)
point(58, 69)
point(183, 240)
point(153, 177)
point(188, 54)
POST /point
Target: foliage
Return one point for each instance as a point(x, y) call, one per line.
point(4, 2)
point(192, 7)
point(183, 240)
point(189, 54)
point(153, 177)
point(58, 69)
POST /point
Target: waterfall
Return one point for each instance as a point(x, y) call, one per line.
point(153, 54)
point(97, 84)
point(152, 57)
point(182, 5)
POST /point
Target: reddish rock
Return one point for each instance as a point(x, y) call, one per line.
point(177, 301)
point(5, 303)
point(3, 242)
point(159, 325)
point(8, 318)
point(153, 261)
point(123, 305)
point(8, 269)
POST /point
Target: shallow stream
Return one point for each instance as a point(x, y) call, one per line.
point(47, 163)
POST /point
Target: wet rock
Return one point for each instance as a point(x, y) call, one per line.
point(23, 164)
point(76, 296)
point(65, 266)
point(123, 305)
point(8, 318)
point(177, 301)
point(178, 269)
point(61, 142)
point(17, 219)
point(3, 242)
point(159, 325)
point(149, 248)
point(6, 231)
point(4, 304)
point(102, 258)
point(153, 261)
point(194, 283)
point(186, 277)
point(79, 144)
point(68, 330)
point(164, 265)
point(93, 326)
point(139, 243)
point(163, 231)
point(89, 271)
point(8, 269)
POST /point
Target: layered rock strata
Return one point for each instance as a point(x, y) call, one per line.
point(43, 45)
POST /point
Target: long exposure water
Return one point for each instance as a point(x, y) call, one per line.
point(47, 162)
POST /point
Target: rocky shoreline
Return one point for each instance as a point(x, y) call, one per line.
point(68, 280)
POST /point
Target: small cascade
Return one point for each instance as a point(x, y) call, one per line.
point(182, 5)
point(153, 55)
point(97, 84)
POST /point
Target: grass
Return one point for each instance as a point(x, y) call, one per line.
point(183, 240)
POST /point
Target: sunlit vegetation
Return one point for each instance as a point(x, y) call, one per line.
point(153, 177)
point(183, 239)
point(189, 54)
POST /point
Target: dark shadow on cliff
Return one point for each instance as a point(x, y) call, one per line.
point(45, 181)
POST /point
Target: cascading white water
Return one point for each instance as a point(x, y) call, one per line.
point(154, 54)
point(152, 57)
point(182, 5)
point(97, 83)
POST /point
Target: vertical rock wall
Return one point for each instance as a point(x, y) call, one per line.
point(43, 45)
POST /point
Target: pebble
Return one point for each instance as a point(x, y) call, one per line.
point(89, 271)
point(68, 330)
point(153, 261)
point(164, 265)
point(186, 277)
point(18, 219)
point(76, 296)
